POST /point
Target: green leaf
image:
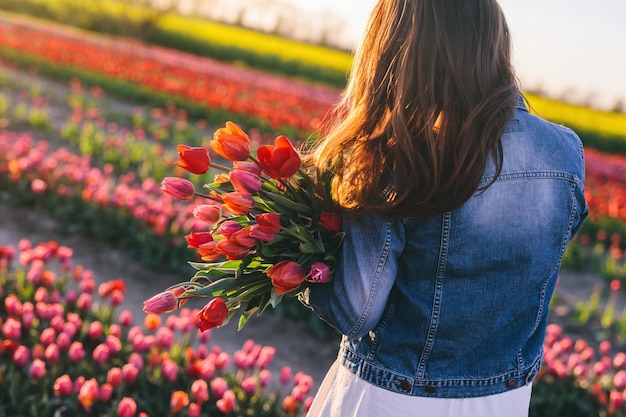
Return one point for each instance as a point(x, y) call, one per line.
point(286, 202)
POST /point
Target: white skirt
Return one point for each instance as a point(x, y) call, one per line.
point(343, 394)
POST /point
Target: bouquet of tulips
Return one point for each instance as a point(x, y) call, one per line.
point(271, 229)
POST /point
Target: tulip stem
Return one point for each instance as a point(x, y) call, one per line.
point(220, 167)
point(210, 197)
point(294, 234)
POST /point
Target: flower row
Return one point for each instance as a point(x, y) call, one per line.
point(278, 101)
point(65, 349)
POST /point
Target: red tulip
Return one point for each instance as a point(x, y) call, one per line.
point(178, 187)
point(280, 160)
point(268, 225)
point(88, 394)
point(212, 315)
point(195, 239)
point(195, 160)
point(286, 276)
point(231, 143)
point(330, 221)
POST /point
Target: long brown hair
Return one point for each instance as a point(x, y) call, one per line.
point(429, 94)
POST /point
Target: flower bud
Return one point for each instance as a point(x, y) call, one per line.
point(193, 159)
point(178, 188)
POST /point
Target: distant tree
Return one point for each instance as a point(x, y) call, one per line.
point(619, 106)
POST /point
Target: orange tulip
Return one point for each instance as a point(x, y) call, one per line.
point(231, 143)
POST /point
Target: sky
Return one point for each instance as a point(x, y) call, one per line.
point(572, 49)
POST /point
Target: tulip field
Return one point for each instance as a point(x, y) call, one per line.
point(89, 127)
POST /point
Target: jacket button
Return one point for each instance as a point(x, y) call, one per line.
point(403, 385)
point(511, 383)
point(430, 389)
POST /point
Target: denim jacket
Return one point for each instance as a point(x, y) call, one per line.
point(457, 305)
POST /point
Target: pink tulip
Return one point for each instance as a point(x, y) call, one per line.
point(165, 338)
point(37, 369)
point(163, 302)
point(219, 386)
point(21, 356)
point(169, 368)
point(136, 360)
point(12, 329)
point(319, 273)
point(52, 353)
point(126, 318)
point(249, 385)
point(101, 353)
point(285, 375)
point(179, 188)
point(129, 373)
point(63, 386)
point(63, 341)
point(245, 182)
point(266, 356)
point(227, 403)
point(105, 393)
point(265, 377)
point(195, 410)
point(228, 228)
point(76, 352)
point(114, 343)
point(114, 376)
point(200, 390)
point(208, 213)
point(13, 305)
point(127, 407)
point(95, 330)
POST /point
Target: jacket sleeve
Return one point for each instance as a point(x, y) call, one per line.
point(354, 301)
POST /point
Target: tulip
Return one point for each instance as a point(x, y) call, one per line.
point(179, 188)
point(289, 404)
point(227, 228)
point(114, 376)
point(101, 353)
point(200, 390)
point(127, 407)
point(152, 321)
point(285, 375)
point(12, 329)
point(195, 239)
point(266, 227)
point(208, 213)
point(212, 315)
point(227, 403)
point(245, 182)
point(21, 355)
point(95, 330)
point(193, 159)
point(319, 273)
point(52, 353)
point(88, 394)
point(209, 252)
point(129, 373)
point(266, 356)
point(231, 143)
point(195, 410)
point(169, 369)
point(163, 302)
point(286, 276)
point(63, 386)
point(248, 167)
point(37, 369)
point(238, 204)
point(179, 400)
point(232, 249)
point(76, 352)
point(105, 392)
point(280, 160)
point(330, 221)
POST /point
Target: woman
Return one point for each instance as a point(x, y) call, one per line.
point(462, 204)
